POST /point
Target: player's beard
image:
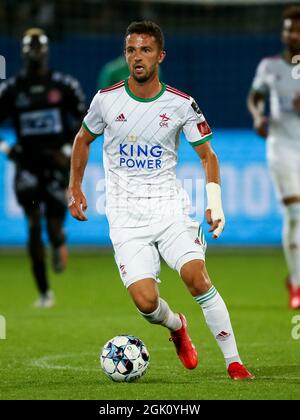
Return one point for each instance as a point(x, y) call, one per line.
point(294, 48)
point(149, 75)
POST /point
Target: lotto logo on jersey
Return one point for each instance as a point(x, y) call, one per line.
point(140, 156)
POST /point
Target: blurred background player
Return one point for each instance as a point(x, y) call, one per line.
point(275, 78)
point(113, 72)
point(46, 108)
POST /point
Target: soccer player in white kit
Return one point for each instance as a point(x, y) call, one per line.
point(277, 78)
point(147, 211)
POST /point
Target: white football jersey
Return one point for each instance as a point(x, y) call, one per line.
point(274, 77)
point(140, 151)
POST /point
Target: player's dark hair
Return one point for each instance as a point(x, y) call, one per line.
point(148, 28)
point(292, 13)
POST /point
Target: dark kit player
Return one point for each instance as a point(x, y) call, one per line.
point(46, 107)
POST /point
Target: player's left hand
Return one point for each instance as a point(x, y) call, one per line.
point(216, 219)
point(77, 204)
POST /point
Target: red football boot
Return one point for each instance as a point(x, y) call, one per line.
point(294, 294)
point(294, 297)
point(185, 349)
point(237, 371)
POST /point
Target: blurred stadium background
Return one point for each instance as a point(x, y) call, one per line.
point(213, 48)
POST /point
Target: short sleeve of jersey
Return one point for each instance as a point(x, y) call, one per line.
point(196, 128)
point(93, 121)
point(260, 83)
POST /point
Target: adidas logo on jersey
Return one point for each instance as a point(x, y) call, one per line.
point(121, 118)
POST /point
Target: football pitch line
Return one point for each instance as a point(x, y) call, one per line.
point(51, 362)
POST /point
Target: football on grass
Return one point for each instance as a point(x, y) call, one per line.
point(124, 358)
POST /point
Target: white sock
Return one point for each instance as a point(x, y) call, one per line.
point(163, 316)
point(291, 241)
point(218, 321)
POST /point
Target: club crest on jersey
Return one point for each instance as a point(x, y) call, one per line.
point(164, 120)
point(54, 96)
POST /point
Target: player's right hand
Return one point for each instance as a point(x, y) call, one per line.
point(261, 126)
point(12, 152)
point(77, 204)
point(216, 219)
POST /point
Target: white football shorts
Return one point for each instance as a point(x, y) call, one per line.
point(138, 249)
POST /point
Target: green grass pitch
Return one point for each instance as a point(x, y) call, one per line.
point(53, 354)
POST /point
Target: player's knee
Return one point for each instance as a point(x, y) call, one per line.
point(57, 238)
point(195, 277)
point(147, 305)
point(145, 295)
point(56, 234)
point(146, 301)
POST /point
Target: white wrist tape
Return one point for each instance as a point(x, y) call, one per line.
point(4, 147)
point(214, 204)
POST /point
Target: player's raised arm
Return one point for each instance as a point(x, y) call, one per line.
point(79, 158)
point(214, 211)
